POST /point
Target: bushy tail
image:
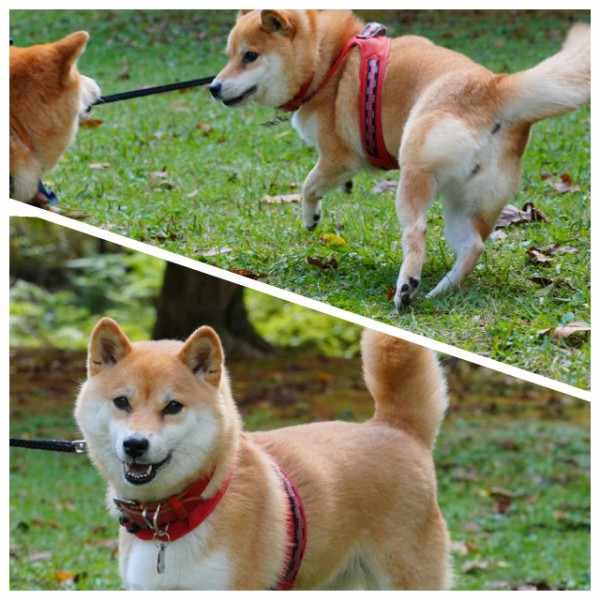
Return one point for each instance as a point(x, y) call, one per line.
point(406, 382)
point(555, 86)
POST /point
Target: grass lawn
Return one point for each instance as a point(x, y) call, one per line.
point(512, 460)
point(182, 172)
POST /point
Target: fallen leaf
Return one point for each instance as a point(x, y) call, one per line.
point(390, 292)
point(564, 331)
point(90, 123)
point(561, 332)
point(206, 127)
point(537, 256)
point(386, 186)
point(248, 273)
point(558, 248)
point(564, 185)
point(159, 175)
point(282, 198)
point(511, 215)
point(498, 235)
point(330, 239)
point(317, 262)
point(99, 165)
point(37, 556)
point(217, 250)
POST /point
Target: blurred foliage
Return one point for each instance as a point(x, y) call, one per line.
point(63, 281)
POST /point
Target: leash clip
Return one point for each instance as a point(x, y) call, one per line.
point(80, 446)
point(276, 120)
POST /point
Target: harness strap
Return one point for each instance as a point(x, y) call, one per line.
point(374, 49)
point(296, 532)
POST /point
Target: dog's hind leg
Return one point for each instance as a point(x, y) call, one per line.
point(416, 190)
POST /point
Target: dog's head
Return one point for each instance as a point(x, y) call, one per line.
point(271, 53)
point(48, 100)
point(155, 415)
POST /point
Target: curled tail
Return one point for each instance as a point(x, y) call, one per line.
point(407, 383)
point(555, 86)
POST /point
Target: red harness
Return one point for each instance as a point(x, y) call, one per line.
point(181, 513)
point(374, 52)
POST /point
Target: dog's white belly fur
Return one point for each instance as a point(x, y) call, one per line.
point(188, 565)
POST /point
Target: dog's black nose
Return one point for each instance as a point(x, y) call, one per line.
point(135, 445)
point(215, 89)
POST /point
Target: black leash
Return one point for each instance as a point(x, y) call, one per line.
point(159, 89)
point(77, 446)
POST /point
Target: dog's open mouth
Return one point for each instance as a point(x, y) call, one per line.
point(140, 473)
point(241, 98)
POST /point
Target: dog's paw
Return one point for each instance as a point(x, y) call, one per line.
point(311, 222)
point(405, 292)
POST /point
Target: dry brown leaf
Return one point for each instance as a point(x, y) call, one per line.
point(560, 332)
point(511, 215)
point(386, 186)
point(91, 123)
point(248, 273)
point(564, 185)
point(317, 262)
point(538, 256)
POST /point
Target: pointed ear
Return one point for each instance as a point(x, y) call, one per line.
point(243, 13)
point(69, 50)
point(108, 345)
point(275, 21)
point(203, 354)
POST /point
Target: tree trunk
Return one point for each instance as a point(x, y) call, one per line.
point(189, 299)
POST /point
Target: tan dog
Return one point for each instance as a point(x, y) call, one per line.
point(48, 98)
point(456, 128)
point(159, 419)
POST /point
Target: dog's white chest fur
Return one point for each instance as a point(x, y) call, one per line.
point(187, 566)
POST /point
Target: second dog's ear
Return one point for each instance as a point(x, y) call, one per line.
point(243, 13)
point(203, 354)
point(275, 21)
point(108, 345)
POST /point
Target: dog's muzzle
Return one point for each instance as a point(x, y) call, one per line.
point(216, 89)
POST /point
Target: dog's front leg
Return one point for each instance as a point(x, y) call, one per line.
point(324, 177)
point(415, 193)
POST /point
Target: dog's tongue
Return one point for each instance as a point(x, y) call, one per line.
point(137, 469)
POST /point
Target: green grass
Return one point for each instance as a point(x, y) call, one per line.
point(503, 440)
point(219, 163)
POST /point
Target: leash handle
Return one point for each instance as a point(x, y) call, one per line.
point(159, 89)
point(77, 446)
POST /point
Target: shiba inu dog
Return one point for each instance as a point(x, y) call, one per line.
point(450, 125)
point(48, 99)
point(204, 505)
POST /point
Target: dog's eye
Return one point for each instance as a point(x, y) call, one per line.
point(172, 408)
point(250, 57)
point(122, 403)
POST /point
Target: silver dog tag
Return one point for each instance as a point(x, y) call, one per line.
point(160, 559)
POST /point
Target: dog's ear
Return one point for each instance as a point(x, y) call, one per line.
point(69, 50)
point(243, 13)
point(108, 345)
point(275, 21)
point(203, 354)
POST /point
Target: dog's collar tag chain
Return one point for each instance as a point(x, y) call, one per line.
point(160, 559)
